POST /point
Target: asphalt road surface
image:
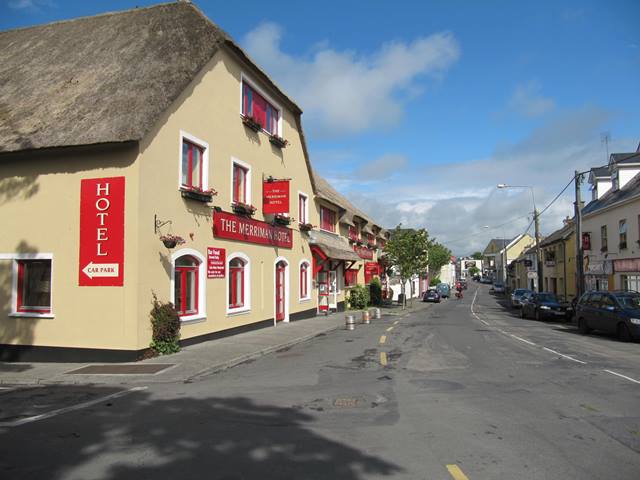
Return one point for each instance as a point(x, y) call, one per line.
point(460, 390)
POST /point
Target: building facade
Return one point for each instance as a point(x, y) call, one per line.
point(559, 262)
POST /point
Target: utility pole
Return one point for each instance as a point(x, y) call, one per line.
point(579, 251)
point(536, 222)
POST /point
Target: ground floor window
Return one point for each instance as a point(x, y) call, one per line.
point(596, 282)
point(630, 282)
point(33, 288)
point(350, 277)
point(186, 285)
point(238, 283)
point(304, 281)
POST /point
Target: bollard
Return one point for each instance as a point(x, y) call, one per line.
point(376, 313)
point(350, 322)
point(366, 318)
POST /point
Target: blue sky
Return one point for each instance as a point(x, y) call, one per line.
point(416, 110)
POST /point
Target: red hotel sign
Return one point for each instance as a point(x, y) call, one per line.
point(363, 252)
point(371, 268)
point(227, 225)
point(216, 258)
point(275, 196)
point(101, 259)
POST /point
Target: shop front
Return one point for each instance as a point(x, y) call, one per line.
point(597, 274)
point(627, 273)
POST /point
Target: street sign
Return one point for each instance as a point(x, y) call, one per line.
point(101, 255)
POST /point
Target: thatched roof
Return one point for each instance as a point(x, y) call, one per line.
point(103, 79)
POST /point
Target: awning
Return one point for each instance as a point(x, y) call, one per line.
point(333, 246)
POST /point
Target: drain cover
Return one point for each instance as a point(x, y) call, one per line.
point(345, 402)
point(134, 369)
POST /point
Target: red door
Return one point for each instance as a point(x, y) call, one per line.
point(280, 293)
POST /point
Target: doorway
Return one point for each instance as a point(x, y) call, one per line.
point(333, 290)
point(281, 291)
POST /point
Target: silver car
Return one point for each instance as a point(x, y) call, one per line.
point(517, 297)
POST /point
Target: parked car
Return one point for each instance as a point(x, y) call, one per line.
point(611, 312)
point(485, 280)
point(443, 289)
point(431, 295)
point(517, 296)
point(544, 305)
point(498, 288)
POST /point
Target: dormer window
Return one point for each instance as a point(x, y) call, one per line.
point(256, 106)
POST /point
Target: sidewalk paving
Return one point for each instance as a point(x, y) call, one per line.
point(193, 361)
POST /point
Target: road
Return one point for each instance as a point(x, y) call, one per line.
point(461, 389)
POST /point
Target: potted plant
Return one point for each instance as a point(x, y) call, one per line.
point(305, 227)
point(170, 240)
point(197, 194)
point(252, 123)
point(278, 141)
point(281, 219)
point(243, 208)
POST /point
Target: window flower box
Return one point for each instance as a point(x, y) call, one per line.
point(251, 123)
point(197, 194)
point(243, 209)
point(170, 241)
point(305, 227)
point(278, 141)
point(282, 220)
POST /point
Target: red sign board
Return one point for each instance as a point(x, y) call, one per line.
point(275, 196)
point(627, 265)
point(216, 261)
point(371, 268)
point(586, 241)
point(363, 252)
point(227, 225)
point(101, 258)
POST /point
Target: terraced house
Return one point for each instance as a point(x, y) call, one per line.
point(143, 153)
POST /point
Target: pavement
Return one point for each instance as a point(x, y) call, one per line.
point(191, 362)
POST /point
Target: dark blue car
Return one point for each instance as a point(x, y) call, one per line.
point(544, 306)
point(610, 312)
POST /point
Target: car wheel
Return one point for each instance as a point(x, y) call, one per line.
point(582, 326)
point(624, 335)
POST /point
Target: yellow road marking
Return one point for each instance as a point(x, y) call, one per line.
point(389, 329)
point(396, 322)
point(456, 473)
point(383, 358)
point(383, 338)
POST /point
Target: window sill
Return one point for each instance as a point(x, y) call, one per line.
point(328, 231)
point(197, 318)
point(31, 315)
point(196, 195)
point(238, 311)
point(305, 300)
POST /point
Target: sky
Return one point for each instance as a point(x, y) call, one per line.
point(416, 110)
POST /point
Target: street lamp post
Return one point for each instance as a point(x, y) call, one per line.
point(537, 230)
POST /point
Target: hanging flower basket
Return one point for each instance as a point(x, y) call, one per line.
point(278, 141)
point(252, 123)
point(305, 227)
point(199, 195)
point(170, 241)
point(282, 220)
point(243, 208)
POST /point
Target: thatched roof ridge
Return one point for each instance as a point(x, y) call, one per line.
point(105, 78)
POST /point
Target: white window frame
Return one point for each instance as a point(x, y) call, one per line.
point(306, 207)
point(201, 314)
point(245, 78)
point(248, 183)
point(15, 257)
point(205, 158)
point(246, 308)
point(309, 281)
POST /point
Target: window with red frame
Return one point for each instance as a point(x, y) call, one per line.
point(327, 219)
point(304, 280)
point(353, 233)
point(254, 105)
point(302, 208)
point(236, 283)
point(239, 184)
point(186, 285)
point(191, 166)
point(371, 239)
point(34, 286)
point(350, 277)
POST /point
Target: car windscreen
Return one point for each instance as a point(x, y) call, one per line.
point(629, 301)
point(546, 297)
point(519, 291)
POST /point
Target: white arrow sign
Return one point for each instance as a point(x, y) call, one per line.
point(101, 270)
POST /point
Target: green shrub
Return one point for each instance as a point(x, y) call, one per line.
point(375, 292)
point(358, 297)
point(434, 281)
point(165, 324)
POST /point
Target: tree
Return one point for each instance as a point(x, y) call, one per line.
point(477, 255)
point(439, 256)
point(407, 250)
point(473, 271)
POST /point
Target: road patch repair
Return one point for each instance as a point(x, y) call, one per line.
point(122, 369)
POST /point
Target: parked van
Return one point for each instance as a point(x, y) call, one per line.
point(443, 289)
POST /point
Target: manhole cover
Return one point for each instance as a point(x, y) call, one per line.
point(345, 402)
point(147, 369)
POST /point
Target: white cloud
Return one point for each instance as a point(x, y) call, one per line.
point(343, 92)
point(527, 101)
point(32, 5)
point(381, 168)
point(456, 201)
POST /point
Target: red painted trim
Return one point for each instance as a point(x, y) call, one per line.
point(234, 227)
point(20, 287)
